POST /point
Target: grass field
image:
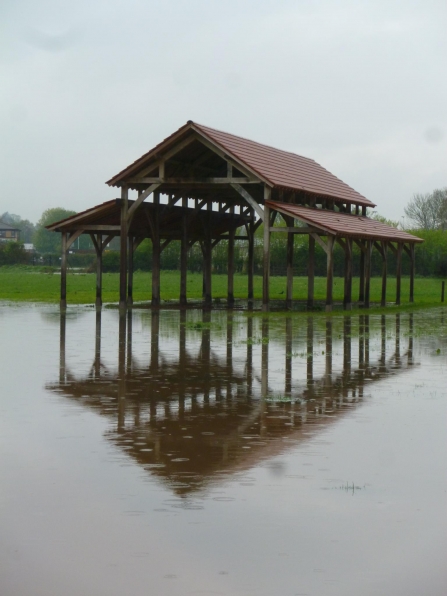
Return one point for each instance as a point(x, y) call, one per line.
point(17, 284)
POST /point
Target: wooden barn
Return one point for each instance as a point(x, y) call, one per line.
point(202, 185)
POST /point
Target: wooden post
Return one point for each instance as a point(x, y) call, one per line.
point(265, 357)
point(330, 273)
point(62, 337)
point(383, 342)
point(130, 271)
point(397, 353)
point(347, 300)
point(63, 303)
point(229, 344)
point(249, 366)
point(155, 341)
point(310, 352)
point(123, 246)
point(362, 273)
point(230, 272)
point(384, 245)
point(98, 344)
point(99, 250)
point(328, 371)
point(368, 245)
point(290, 238)
point(266, 272)
point(361, 341)
point(183, 260)
point(121, 371)
point(129, 341)
point(156, 251)
point(311, 272)
point(410, 338)
point(288, 376)
point(208, 265)
point(398, 272)
point(367, 344)
point(347, 345)
point(412, 270)
point(251, 257)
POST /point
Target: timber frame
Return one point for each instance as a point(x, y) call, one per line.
point(201, 185)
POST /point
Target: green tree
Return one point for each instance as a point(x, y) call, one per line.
point(45, 241)
point(377, 217)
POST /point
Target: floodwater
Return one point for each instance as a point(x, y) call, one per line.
point(201, 453)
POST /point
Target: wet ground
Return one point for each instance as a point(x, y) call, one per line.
point(193, 453)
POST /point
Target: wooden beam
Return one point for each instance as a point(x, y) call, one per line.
point(166, 243)
point(266, 251)
point(347, 298)
point(362, 271)
point(106, 241)
point(95, 243)
point(330, 273)
point(368, 273)
point(384, 249)
point(294, 230)
point(140, 199)
point(412, 270)
point(251, 258)
point(123, 246)
point(99, 246)
point(207, 262)
point(72, 237)
point(250, 200)
point(137, 241)
point(193, 181)
point(230, 269)
point(176, 149)
point(289, 258)
point(322, 243)
point(393, 248)
point(130, 253)
point(183, 259)
point(234, 161)
point(98, 228)
point(156, 252)
point(398, 272)
point(63, 301)
point(311, 272)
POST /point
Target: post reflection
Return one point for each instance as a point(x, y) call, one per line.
point(215, 405)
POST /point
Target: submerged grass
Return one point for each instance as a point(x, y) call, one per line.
point(37, 285)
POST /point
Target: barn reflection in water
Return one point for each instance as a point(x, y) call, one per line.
point(208, 412)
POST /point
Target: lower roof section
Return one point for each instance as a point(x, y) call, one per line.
point(343, 224)
point(105, 218)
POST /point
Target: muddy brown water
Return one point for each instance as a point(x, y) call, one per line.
point(213, 453)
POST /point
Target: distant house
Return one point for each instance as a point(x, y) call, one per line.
point(8, 233)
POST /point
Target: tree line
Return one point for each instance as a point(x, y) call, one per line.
point(427, 215)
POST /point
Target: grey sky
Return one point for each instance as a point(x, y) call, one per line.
point(89, 86)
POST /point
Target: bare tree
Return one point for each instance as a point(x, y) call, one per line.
point(440, 199)
point(429, 211)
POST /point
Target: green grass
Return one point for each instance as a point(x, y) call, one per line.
point(33, 285)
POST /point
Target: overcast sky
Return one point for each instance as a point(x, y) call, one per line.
point(87, 86)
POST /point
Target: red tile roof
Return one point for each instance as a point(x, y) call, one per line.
point(343, 224)
point(278, 168)
point(283, 168)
